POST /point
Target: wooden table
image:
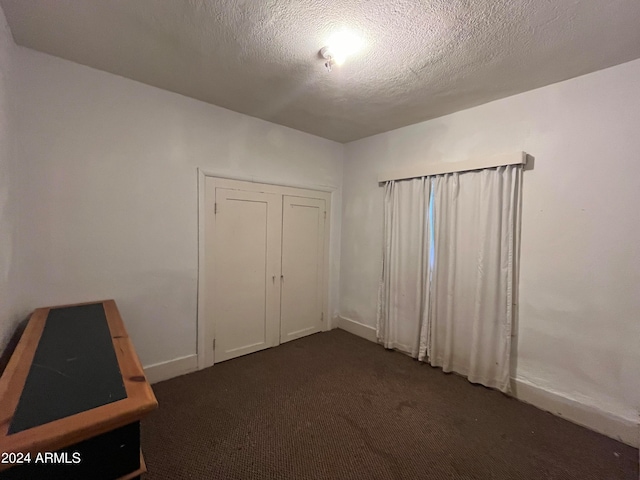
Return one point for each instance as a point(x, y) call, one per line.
point(72, 396)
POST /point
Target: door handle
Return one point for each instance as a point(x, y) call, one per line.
point(282, 278)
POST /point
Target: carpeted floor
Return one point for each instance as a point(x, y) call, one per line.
point(334, 406)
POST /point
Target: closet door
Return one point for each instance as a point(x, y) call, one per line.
point(302, 299)
point(246, 286)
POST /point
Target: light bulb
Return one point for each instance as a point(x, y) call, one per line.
point(338, 59)
point(342, 44)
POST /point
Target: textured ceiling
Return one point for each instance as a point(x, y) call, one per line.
point(421, 59)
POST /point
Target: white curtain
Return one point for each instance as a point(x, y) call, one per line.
point(457, 287)
point(403, 291)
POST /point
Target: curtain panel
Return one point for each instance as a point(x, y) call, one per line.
point(449, 270)
point(403, 292)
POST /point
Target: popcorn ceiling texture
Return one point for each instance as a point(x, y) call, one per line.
point(421, 60)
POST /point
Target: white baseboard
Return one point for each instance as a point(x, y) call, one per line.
point(173, 368)
point(357, 328)
point(619, 428)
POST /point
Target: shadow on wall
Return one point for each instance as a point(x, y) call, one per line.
point(515, 327)
point(531, 161)
point(11, 344)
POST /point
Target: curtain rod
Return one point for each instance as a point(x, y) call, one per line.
point(416, 171)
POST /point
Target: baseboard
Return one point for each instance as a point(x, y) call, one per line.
point(173, 368)
point(619, 428)
point(357, 328)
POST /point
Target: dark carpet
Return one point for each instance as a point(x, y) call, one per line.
point(334, 406)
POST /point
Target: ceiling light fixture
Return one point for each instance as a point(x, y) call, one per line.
point(340, 45)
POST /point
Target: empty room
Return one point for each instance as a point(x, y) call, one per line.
point(277, 239)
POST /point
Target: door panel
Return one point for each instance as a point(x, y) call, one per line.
point(246, 288)
point(302, 299)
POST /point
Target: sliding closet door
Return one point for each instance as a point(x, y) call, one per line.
point(303, 224)
point(246, 284)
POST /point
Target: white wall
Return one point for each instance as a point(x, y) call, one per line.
point(10, 312)
point(579, 330)
point(109, 171)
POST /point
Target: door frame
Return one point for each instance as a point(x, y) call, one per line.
point(259, 184)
